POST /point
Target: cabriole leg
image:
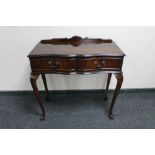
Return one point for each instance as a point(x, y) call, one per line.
point(107, 87)
point(119, 77)
point(45, 85)
point(33, 79)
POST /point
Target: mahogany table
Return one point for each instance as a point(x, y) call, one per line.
point(76, 56)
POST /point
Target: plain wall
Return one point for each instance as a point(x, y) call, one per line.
point(138, 43)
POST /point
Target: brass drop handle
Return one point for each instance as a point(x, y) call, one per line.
point(53, 63)
point(95, 62)
point(99, 64)
point(103, 62)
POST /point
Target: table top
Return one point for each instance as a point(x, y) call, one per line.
point(76, 46)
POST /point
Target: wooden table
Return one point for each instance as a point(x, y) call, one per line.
point(76, 56)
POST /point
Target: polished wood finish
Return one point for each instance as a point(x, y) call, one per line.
point(76, 56)
point(75, 41)
point(76, 65)
point(45, 85)
point(107, 86)
point(33, 79)
point(82, 48)
point(119, 77)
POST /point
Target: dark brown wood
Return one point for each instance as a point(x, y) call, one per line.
point(75, 41)
point(101, 63)
point(119, 77)
point(76, 56)
point(45, 85)
point(33, 79)
point(84, 48)
point(76, 65)
point(107, 86)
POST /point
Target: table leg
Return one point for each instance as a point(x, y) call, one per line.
point(45, 85)
point(119, 77)
point(33, 79)
point(107, 87)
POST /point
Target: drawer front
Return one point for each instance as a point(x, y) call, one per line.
point(94, 64)
point(53, 64)
point(75, 64)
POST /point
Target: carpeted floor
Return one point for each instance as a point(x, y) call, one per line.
point(78, 111)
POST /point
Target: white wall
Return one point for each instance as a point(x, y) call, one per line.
point(137, 42)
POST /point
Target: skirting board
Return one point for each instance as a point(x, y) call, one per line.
point(77, 92)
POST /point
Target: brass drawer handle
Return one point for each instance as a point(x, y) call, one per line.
point(95, 62)
point(53, 63)
point(99, 64)
point(103, 62)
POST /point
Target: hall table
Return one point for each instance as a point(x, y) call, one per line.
point(76, 55)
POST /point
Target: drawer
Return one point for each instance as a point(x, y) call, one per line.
point(53, 64)
point(94, 64)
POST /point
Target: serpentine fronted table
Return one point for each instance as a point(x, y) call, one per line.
point(76, 56)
